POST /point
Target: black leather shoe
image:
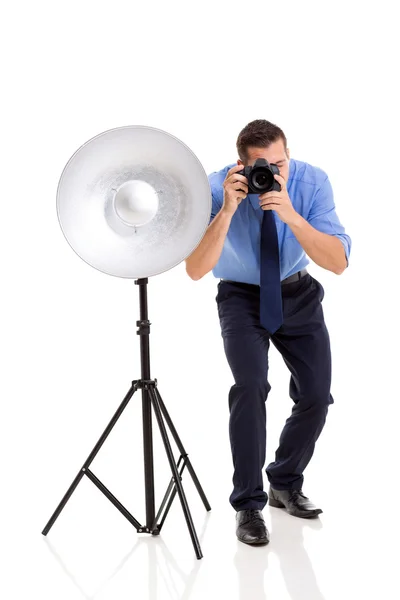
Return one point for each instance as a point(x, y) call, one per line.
point(295, 502)
point(250, 527)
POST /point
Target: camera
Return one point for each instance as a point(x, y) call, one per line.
point(261, 178)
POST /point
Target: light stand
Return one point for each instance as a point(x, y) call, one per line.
point(150, 398)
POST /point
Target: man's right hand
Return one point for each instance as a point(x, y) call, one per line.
point(235, 189)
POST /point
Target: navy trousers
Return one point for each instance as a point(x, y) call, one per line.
point(303, 342)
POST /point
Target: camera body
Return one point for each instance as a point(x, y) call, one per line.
point(261, 178)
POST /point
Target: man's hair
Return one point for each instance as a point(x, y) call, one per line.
point(258, 134)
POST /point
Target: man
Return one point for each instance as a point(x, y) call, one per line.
point(259, 247)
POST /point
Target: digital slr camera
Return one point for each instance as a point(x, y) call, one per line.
point(261, 178)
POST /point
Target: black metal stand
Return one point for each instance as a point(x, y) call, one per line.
point(150, 398)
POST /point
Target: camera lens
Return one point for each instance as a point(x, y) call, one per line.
point(262, 180)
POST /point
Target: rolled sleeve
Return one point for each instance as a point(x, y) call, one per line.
point(216, 204)
point(324, 218)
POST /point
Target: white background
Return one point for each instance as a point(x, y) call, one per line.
point(326, 73)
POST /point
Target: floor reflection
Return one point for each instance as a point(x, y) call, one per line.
point(75, 581)
point(251, 564)
point(161, 566)
point(286, 543)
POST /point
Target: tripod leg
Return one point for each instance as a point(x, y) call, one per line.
point(182, 450)
point(171, 493)
point(178, 483)
point(90, 459)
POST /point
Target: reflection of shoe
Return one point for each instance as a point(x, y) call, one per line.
point(250, 527)
point(295, 502)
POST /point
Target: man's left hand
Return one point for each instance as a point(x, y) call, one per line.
point(279, 202)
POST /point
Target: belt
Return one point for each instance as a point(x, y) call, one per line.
point(294, 277)
point(291, 279)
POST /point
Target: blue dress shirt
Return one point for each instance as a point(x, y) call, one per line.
point(311, 194)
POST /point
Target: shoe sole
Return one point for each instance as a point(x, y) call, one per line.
point(255, 543)
point(311, 515)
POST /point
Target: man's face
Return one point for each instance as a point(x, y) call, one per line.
point(274, 154)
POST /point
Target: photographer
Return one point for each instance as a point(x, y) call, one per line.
point(258, 245)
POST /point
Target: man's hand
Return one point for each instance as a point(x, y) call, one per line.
point(235, 189)
point(279, 202)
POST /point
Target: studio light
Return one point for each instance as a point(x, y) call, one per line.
point(134, 202)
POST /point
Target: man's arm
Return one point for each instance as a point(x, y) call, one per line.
point(204, 258)
point(206, 255)
point(321, 236)
point(325, 250)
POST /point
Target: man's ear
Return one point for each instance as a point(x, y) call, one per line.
point(239, 162)
point(288, 153)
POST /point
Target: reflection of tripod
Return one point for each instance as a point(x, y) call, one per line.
point(172, 574)
point(150, 396)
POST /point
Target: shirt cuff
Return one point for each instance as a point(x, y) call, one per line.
point(346, 245)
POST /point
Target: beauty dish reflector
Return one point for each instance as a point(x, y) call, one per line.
point(134, 201)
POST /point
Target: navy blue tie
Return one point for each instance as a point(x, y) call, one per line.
point(271, 316)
